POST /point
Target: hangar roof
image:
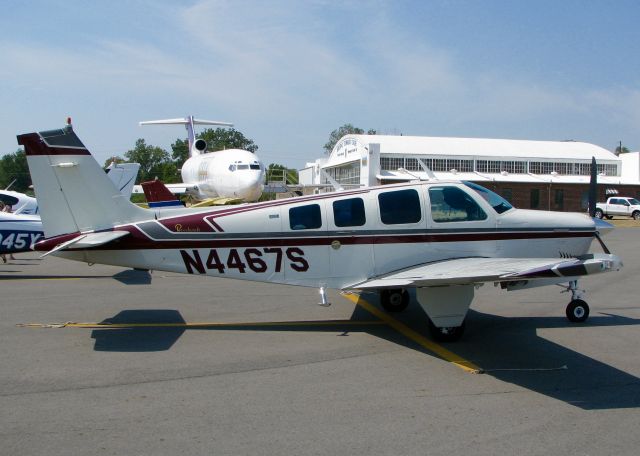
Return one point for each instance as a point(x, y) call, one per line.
point(482, 147)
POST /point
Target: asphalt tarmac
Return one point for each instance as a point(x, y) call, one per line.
point(234, 368)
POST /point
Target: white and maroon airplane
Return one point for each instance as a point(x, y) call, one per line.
point(443, 239)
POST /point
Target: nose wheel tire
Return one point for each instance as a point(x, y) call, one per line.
point(447, 334)
point(577, 311)
point(394, 300)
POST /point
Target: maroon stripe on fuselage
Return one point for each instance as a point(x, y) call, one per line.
point(139, 241)
point(199, 221)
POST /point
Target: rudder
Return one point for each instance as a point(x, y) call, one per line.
point(74, 193)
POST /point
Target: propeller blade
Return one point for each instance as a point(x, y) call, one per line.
point(593, 188)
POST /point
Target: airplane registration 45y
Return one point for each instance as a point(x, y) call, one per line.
point(442, 238)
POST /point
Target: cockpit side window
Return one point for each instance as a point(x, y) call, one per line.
point(232, 168)
point(400, 206)
point(452, 204)
point(498, 203)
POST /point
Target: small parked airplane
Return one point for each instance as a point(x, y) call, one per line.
point(443, 239)
point(230, 173)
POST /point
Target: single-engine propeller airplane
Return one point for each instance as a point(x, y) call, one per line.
point(442, 238)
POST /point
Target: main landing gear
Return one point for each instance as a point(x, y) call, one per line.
point(394, 299)
point(397, 300)
point(578, 310)
point(446, 334)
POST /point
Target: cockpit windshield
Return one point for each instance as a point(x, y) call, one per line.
point(498, 203)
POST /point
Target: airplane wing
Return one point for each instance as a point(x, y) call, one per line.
point(466, 271)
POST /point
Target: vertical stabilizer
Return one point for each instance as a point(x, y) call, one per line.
point(74, 193)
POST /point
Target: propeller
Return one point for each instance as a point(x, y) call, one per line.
point(593, 188)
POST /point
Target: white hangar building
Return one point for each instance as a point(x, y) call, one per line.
point(550, 175)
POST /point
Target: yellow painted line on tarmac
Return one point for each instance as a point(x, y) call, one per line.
point(71, 324)
point(439, 350)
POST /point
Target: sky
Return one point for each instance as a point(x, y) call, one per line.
point(287, 73)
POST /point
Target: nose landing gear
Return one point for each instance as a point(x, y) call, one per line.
point(577, 310)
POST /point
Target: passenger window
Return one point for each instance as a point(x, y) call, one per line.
point(349, 212)
point(402, 206)
point(451, 204)
point(305, 217)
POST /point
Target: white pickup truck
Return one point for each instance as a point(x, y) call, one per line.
point(619, 205)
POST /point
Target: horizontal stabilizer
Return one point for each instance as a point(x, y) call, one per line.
point(87, 241)
point(183, 121)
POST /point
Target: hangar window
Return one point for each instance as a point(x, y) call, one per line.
point(401, 206)
point(451, 204)
point(305, 217)
point(349, 212)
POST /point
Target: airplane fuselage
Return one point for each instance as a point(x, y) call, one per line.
point(338, 240)
point(18, 232)
point(231, 173)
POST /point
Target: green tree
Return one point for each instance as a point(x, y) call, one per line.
point(154, 162)
point(227, 138)
point(621, 150)
point(346, 129)
point(14, 167)
point(180, 152)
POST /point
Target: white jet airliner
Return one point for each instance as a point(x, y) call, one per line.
point(443, 239)
point(229, 173)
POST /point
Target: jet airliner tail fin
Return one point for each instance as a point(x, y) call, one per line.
point(73, 191)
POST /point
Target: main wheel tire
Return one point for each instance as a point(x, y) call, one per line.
point(447, 334)
point(636, 215)
point(577, 311)
point(598, 213)
point(394, 300)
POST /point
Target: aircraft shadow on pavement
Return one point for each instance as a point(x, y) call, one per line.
point(508, 349)
point(127, 277)
point(511, 350)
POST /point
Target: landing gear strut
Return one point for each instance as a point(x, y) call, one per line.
point(578, 310)
point(394, 299)
point(447, 334)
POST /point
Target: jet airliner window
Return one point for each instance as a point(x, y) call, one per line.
point(349, 212)
point(254, 166)
point(243, 166)
point(305, 217)
point(451, 204)
point(401, 206)
point(232, 168)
